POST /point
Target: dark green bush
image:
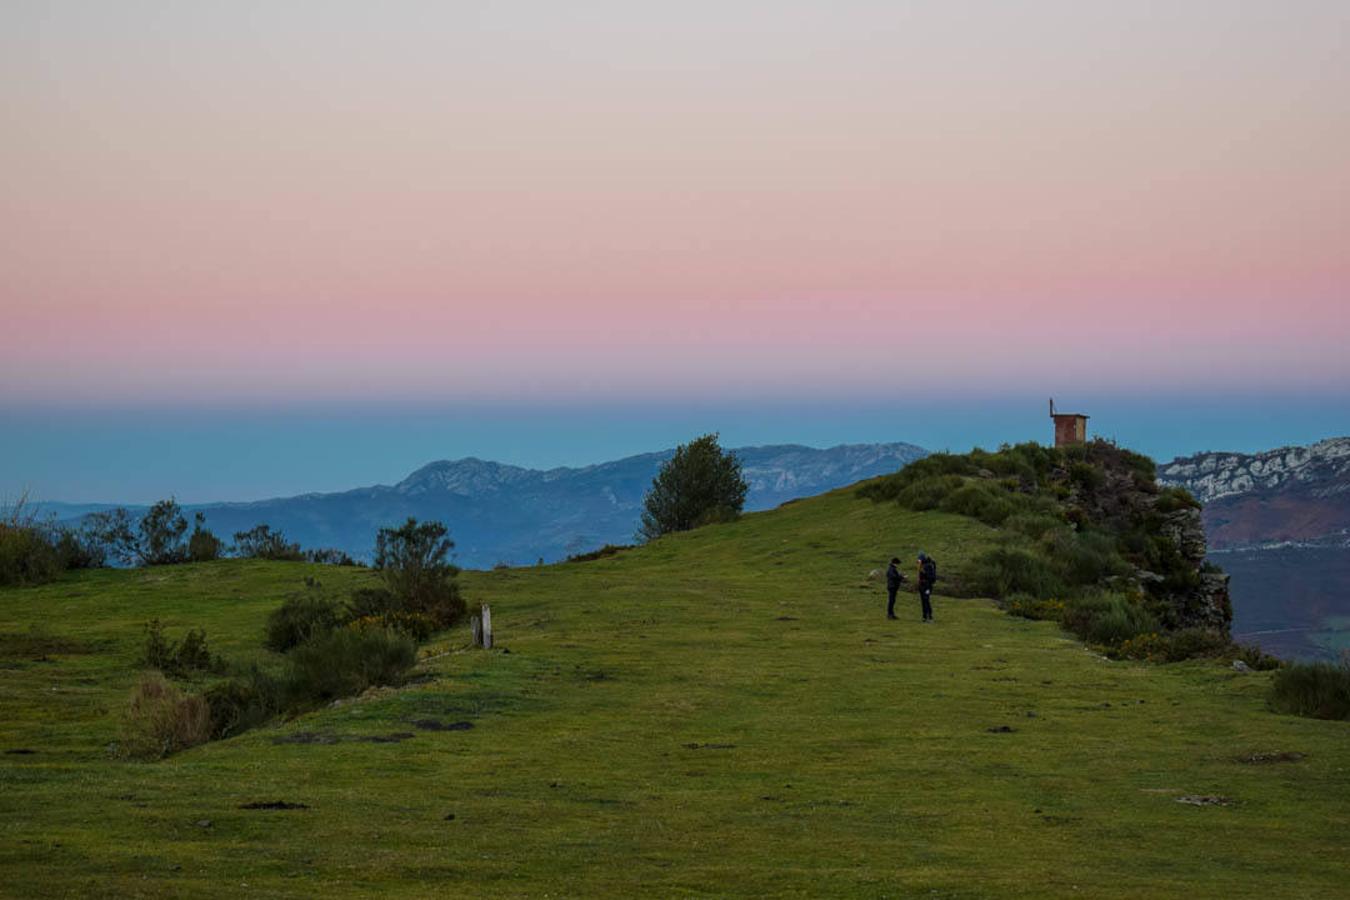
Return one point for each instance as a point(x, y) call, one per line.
point(300, 618)
point(366, 603)
point(330, 556)
point(1107, 619)
point(1033, 525)
point(177, 658)
point(345, 662)
point(261, 542)
point(245, 701)
point(928, 493)
point(203, 546)
point(1006, 570)
point(1029, 607)
point(161, 533)
point(1316, 690)
point(1085, 557)
point(607, 550)
point(1173, 499)
point(27, 556)
point(79, 550)
point(979, 500)
point(412, 560)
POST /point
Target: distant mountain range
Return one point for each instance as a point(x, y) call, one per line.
point(502, 513)
point(1279, 523)
point(1293, 494)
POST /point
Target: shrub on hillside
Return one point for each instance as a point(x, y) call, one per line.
point(300, 618)
point(412, 561)
point(78, 549)
point(330, 556)
point(1029, 607)
point(115, 531)
point(177, 658)
point(160, 534)
point(1107, 619)
point(160, 719)
point(417, 626)
point(203, 545)
point(591, 556)
point(979, 500)
point(345, 662)
point(27, 556)
point(261, 542)
point(245, 701)
point(1004, 571)
point(1317, 690)
point(157, 539)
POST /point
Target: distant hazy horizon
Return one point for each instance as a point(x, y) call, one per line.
point(138, 456)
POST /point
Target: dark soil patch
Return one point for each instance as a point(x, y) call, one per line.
point(1001, 729)
point(20, 751)
point(437, 725)
point(1261, 759)
point(273, 804)
point(1201, 800)
point(306, 737)
point(709, 746)
point(36, 645)
point(327, 738)
point(786, 619)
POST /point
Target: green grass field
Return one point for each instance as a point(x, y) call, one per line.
point(725, 712)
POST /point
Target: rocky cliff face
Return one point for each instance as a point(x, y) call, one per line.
point(1168, 533)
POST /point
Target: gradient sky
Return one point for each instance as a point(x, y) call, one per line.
point(536, 214)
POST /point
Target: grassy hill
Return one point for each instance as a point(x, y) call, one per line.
point(724, 712)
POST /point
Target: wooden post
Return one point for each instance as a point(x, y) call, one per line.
point(476, 629)
point(487, 627)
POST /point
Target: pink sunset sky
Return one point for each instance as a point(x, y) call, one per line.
point(248, 202)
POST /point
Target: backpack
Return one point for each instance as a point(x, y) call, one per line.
point(929, 570)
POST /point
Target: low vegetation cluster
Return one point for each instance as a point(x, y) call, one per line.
point(323, 648)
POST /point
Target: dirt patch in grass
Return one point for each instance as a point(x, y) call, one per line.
point(1001, 729)
point(327, 737)
point(1204, 800)
point(709, 746)
point(20, 751)
point(437, 725)
point(273, 804)
point(37, 645)
point(1261, 759)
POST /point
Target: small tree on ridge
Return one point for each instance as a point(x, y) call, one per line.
point(700, 484)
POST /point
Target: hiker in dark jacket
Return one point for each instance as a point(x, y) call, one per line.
point(927, 578)
point(893, 580)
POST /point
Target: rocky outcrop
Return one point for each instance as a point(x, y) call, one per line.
point(1182, 587)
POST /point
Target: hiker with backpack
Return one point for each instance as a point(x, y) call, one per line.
point(927, 578)
point(893, 581)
